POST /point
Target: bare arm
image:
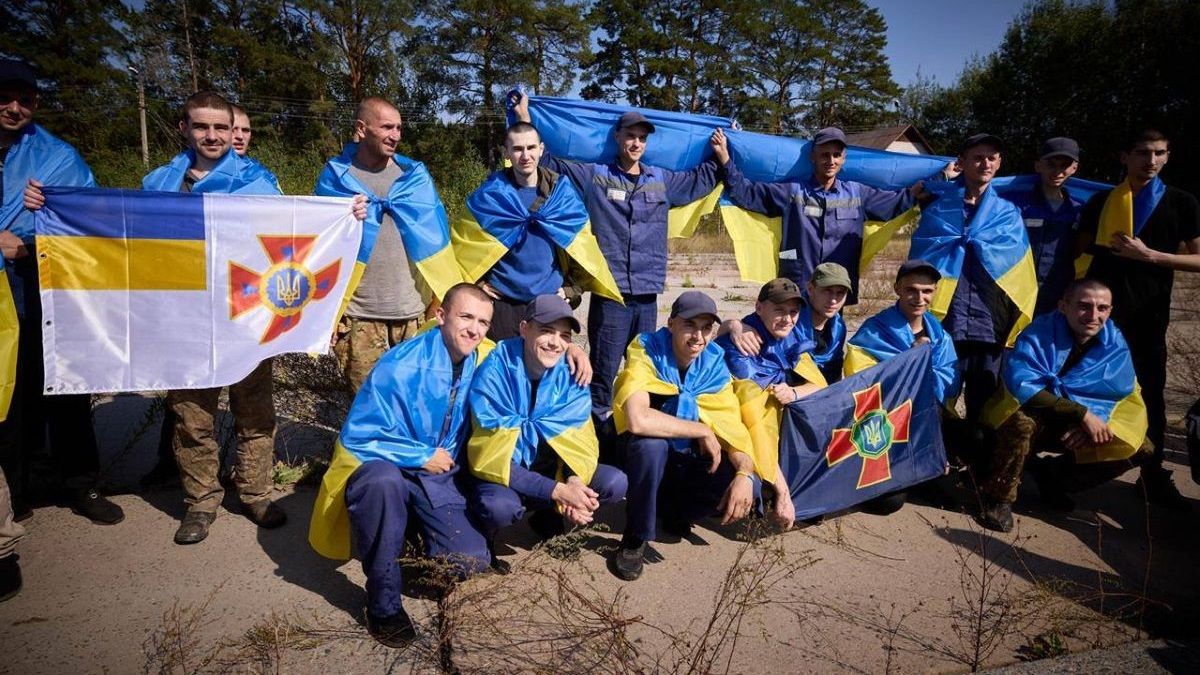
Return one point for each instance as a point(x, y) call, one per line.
point(1134, 249)
point(646, 421)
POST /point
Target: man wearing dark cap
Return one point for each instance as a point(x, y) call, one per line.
point(687, 449)
point(32, 156)
point(532, 442)
point(823, 216)
point(781, 370)
point(1051, 215)
point(628, 202)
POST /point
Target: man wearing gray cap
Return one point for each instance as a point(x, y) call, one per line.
point(628, 202)
point(687, 449)
point(822, 216)
point(1051, 216)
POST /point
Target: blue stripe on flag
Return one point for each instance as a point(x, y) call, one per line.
point(142, 214)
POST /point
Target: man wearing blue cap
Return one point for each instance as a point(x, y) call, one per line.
point(627, 201)
point(823, 216)
point(1051, 216)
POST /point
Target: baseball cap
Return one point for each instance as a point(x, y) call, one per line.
point(691, 304)
point(14, 70)
point(1060, 147)
point(634, 118)
point(546, 309)
point(980, 139)
point(830, 274)
point(780, 290)
point(829, 135)
point(918, 265)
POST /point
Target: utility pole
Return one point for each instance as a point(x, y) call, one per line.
point(142, 115)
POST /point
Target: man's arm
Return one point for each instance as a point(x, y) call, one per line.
point(1133, 249)
point(769, 199)
point(887, 204)
point(646, 421)
point(580, 173)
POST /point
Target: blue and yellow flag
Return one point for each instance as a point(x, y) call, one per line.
point(1123, 213)
point(872, 433)
point(415, 207)
point(753, 374)
point(9, 331)
point(887, 334)
point(831, 355)
point(399, 416)
point(37, 154)
point(496, 220)
point(232, 174)
point(997, 236)
point(1103, 381)
point(505, 429)
point(705, 395)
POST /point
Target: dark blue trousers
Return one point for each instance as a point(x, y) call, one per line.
point(381, 498)
point(979, 367)
point(611, 326)
point(498, 506)
point(677, 481)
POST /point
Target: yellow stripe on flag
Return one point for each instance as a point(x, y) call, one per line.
point(9, 330)
point(111, 264)
point(682, 220)
point(329, 527)
point(756, 241)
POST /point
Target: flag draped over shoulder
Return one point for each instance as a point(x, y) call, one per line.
point(705, 395)
point(753, 374)
point(496, 220)
point(415, 207)
point(996, 235)
point(1103, 381)
point(9, 331)
point(232, 174)
point(505, 429)
point(170, 290)
point(871, 434)
point(38, 154)
point(1123, 213)
point(887, 334)
point(837, 335)
point(398, 416)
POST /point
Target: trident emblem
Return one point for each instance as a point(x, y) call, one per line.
point(873, 431)
point(287, 295)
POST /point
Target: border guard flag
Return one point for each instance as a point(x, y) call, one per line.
point(872, 433)
point(165, 290)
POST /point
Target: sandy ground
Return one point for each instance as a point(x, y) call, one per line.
point(922, 590)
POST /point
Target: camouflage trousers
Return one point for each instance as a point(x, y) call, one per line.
point(1023, 434)
point(360, 343)
point(197, 450)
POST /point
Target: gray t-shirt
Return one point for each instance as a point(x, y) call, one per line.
point(387, 289)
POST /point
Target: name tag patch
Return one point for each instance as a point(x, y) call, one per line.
point(1034, 222)
point(813, 211)
point(789, 254)
point(616, 195)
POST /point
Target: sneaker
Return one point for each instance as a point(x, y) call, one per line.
point(997, 516)
point(628, 561)
point(10, 578)
point(1160, 490)
point(194, 527)
point(393, 631)
point(265, 514)
point(93, 506)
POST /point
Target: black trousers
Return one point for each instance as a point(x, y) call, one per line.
point(1148, 349)
point(506, 319)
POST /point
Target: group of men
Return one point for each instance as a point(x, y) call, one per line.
point(462, 425)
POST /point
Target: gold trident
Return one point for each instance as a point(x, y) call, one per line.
point(288, 296)
point(874, 431)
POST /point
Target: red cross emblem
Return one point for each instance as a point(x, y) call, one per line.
point(872, 434)
point(285, 288)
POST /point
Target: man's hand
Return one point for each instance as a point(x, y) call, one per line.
point(747, 341)
point(521, 107)
point(579, 365)
point(923, 340)
point(951, 170)
point(710, 447)
point(34, 199)
point(573, 494)
point(11, 246)
point(489, 289)
point(576, 516)
point(1131, 247)
point(783, 393)
point(738, 499)
point(359, 207)
point(784, 515)
point(1096, 429)
point(441, 462)
point(720, 146)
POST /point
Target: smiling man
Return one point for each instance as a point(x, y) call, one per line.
point(1070, 389)
point(1134, 233)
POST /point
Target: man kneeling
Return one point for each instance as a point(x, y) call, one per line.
point(675, 399)
point(396, 459)
point(533, 443)
point(1070, 389)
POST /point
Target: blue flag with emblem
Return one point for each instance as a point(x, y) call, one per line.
point(869, 435)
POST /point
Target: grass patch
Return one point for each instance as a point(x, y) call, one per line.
point(308, 472)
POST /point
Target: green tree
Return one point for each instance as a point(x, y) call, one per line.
point(775, 48)
point(849, 80)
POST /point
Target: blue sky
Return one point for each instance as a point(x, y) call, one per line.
point(939, 36)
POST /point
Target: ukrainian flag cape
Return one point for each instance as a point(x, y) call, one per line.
point(836, 338)
point(232, 175)
point(505, 430)
point(706, 395)
point(497, 221)
point(397, 416)
point(41, 155)
point(887, 334)
point(1123, 213)
point(8, 343)
point(1103, 381)
point(752, 375)
point(997, 236)
point(414, 206)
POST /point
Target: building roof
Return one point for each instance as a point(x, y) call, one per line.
point(883, 137)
